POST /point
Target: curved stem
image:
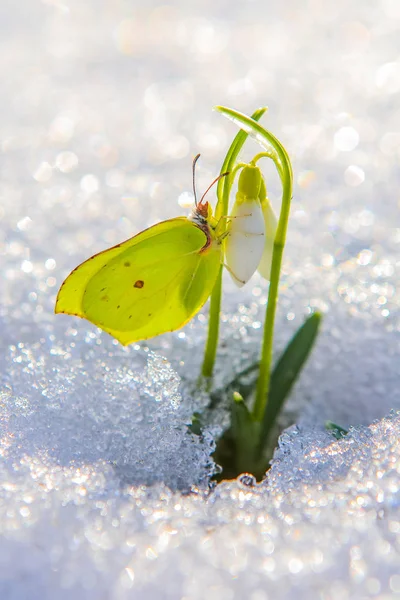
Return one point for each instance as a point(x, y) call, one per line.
point(273, 156)
point(232, 176)
point(223, 191)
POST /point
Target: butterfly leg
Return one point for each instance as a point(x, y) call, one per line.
point(221, 232)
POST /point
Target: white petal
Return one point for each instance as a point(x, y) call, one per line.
point(264, 268)
point(245, 243)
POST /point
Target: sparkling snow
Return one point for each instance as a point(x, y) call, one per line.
point(104, 492)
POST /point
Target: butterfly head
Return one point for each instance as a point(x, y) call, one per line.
point(203, 209)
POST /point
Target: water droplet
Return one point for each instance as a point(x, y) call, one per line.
point(89, 184)
point(43, 172)
point(346, 139)
point(247, 479)
point(66, 161)
point(354, 176)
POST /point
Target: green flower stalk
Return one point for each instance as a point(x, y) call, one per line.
point(257, 237)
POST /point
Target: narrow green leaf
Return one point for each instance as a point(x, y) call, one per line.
point(236, 381)
point(287, 370)
point(196, 424)
point(229, 163)
point(241, 417)
point(219, 394)
point(264, 137)
point(245, 433)
point(337, 431)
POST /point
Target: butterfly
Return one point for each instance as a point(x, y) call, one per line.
point(153, 282)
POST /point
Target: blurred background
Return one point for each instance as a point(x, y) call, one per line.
point(104, 105)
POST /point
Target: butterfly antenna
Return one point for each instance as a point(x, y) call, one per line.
point(211, 184)
point(196, 158)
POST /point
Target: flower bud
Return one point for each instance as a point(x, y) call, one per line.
point(249, 183)
point(270, 223)
point(244, 244)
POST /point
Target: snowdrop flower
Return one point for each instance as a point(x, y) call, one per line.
point(270, 223)
point(244, 244)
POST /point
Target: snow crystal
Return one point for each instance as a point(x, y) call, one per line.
point(80, 406)
point(104, 489)
point(326, 519)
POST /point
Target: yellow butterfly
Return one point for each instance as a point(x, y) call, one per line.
point(152, 283)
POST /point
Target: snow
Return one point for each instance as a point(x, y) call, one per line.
point(104, 491)
point(325, 523)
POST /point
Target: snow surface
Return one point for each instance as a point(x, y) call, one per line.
point(104, 492)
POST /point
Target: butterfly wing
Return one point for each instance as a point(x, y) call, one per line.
point(152, 283)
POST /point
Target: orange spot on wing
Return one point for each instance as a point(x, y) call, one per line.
point(139, 284)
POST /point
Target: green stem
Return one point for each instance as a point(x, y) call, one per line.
point(213, 328)
point(223, 191)
point(215, 302)
point(232, 176)
point(264, 378)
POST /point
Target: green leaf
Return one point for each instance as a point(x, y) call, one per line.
point(241, 421)
point(236, 445)
point(224, 184)
point(245, 388)
point(245, 433)
point(196, 424)
point(264, 137)
point(287, 370)
point(237, 450)
point(337, 431)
